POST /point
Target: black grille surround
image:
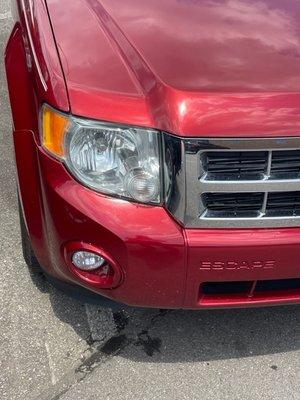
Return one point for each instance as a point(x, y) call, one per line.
point(251, 290)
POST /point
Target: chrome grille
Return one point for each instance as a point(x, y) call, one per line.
point(237, 183)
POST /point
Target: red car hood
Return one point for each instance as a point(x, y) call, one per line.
point(191, 67)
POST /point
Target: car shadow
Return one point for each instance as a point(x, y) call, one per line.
point(183, 335)
point(209, 335)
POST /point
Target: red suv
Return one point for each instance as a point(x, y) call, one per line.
point(158, 148)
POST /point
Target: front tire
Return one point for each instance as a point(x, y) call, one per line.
point(28, 253)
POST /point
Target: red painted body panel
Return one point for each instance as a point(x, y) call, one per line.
point(42, 54)
point(211, 69)
point(152, 255)
point(241, 255)
point(193, 68)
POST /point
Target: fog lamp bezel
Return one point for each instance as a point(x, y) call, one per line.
point(91, 277)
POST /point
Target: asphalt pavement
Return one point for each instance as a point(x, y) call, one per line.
point(53, 347)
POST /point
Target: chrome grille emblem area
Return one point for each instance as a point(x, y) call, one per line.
point(237, 183)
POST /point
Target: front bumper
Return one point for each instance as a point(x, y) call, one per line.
point(163, 265)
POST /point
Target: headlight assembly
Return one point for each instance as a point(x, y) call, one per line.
point(109, 158)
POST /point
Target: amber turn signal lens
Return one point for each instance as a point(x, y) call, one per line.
point(55, 126)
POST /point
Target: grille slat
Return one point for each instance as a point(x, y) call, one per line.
point(285, 163)
point(232, 201)
point(286, 203)
point(275, 286)
point(251, 165)
point(235, 164)
point(251, 205)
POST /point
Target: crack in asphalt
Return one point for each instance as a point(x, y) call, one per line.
point(98, 352)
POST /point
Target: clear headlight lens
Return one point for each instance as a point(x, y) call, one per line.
point(117, 160)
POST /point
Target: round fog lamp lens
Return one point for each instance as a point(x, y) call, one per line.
point(87, 261)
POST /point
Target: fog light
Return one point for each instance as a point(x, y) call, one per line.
point(92, 265)
point(87, 261)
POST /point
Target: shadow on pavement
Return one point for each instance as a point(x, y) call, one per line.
point(187, 336)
